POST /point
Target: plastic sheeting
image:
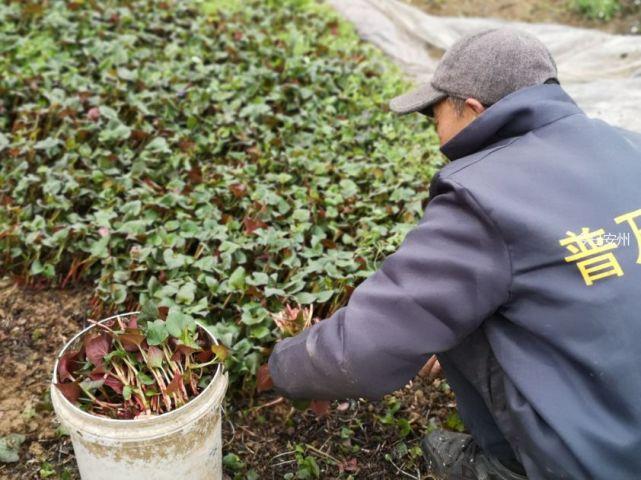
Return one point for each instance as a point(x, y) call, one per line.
point(601, 71)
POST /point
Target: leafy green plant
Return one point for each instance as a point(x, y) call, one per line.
point(402, 424)
point(307, 466)
point(597, 9)
point(125, 370)
point(454, 422)
point(218, 158)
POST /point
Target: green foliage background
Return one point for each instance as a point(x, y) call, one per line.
point(597, 9)
point(241, 156)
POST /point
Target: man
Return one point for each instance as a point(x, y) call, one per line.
point(523, 277)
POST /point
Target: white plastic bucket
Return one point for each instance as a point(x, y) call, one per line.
point(182, 444)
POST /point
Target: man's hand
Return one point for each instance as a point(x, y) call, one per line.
point(432, 369)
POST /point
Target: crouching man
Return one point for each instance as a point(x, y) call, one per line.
point(523, 277)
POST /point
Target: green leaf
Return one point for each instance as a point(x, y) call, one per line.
point(301, 215)
point(237, 279)
point(36, 268)
point(115, 133)
point(179, 322)
point(156, 332)
point(149, 311)
point(259, 278)
point(324, 296)
point(4, 141)
point(145, 379)
point(233, 462)
point(206, 263)
point(158, 145)
point(47, 144)
point(186, 293)
point(305, 298)
point(118, 293)
point(454, 422)
point(174, 260)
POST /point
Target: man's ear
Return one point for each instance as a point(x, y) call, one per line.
point(476, 106)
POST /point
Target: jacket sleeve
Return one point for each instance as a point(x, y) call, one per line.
point(450, 273)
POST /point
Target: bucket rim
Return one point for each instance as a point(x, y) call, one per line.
point(142, 421)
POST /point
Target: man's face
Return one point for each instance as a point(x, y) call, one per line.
point(449, 122)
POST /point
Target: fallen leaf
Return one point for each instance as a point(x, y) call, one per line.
point(350, 465)
point(264, 380)
point(320, 407)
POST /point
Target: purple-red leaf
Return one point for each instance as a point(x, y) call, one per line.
point(155, 357)
point(71, 391)
point(174, 385)
point(96, 347)
point(252, 224)
point(133, 323)
point(68, 364)
point(98, 372)
point(182, 351)
point(131, 339)
point(204, 356)
point(113, 383)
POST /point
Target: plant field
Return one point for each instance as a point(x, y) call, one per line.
point(220, 159)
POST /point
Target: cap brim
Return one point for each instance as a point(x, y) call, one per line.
point(424, 97)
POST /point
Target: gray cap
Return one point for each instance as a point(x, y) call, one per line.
point(486, 66)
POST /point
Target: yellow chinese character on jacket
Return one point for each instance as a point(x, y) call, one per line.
point(630, 218)
point(594, 258)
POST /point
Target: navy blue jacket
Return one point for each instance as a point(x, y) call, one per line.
point(532, 235)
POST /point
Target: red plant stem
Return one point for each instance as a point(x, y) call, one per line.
point(163, 387)
point(142, 352)
point(101, 325)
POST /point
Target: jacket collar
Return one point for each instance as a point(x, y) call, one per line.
point(512, 116)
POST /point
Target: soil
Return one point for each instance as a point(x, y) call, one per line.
point(627, 20)
point(373, 440)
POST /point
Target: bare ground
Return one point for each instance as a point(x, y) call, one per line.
point(627, 20)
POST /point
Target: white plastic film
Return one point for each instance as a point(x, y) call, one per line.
point(601, 71)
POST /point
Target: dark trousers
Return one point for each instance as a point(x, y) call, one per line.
point(476, 379)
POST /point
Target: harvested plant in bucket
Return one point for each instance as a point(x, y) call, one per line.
point(129, 367)
point(141, 397)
